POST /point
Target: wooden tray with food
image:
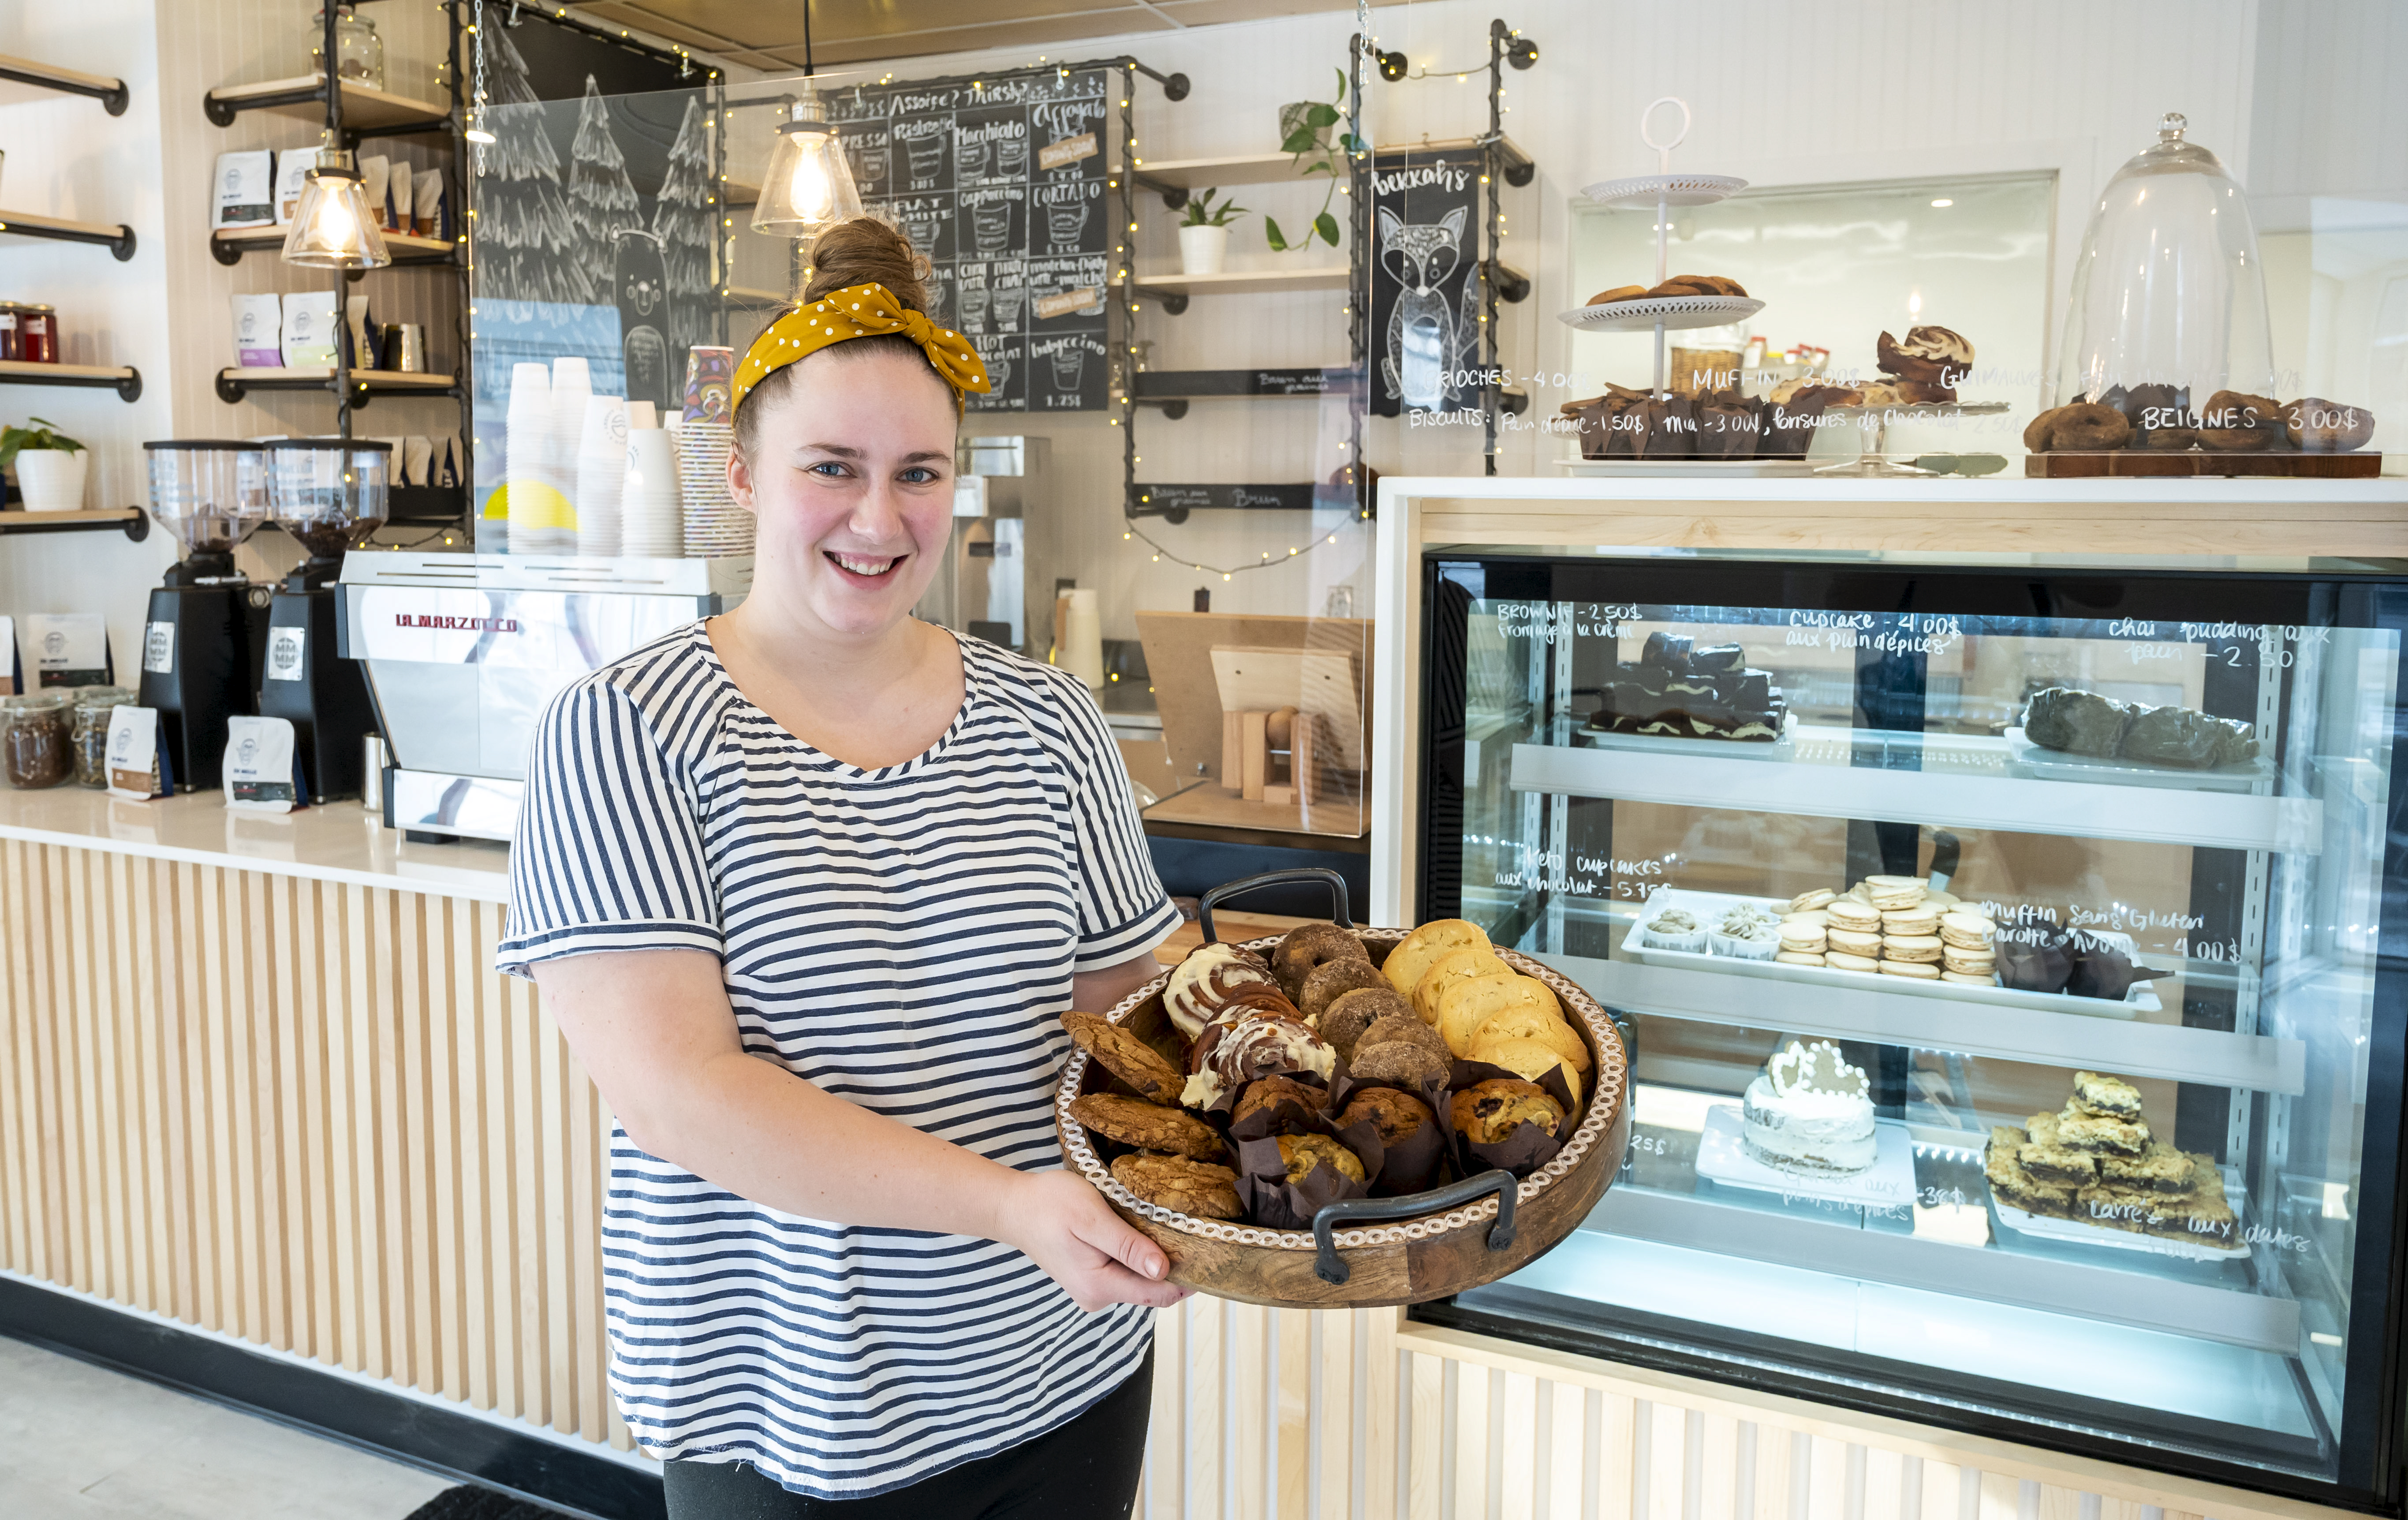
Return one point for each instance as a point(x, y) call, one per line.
point(1348, 1117)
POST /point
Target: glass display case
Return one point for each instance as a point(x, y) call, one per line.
point(2086, 878)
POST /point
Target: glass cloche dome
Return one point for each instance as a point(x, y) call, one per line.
point(2169, 290)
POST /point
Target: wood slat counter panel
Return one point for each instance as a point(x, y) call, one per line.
point(304, 1113)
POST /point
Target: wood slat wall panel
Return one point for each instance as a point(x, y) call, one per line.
point(307, 1115)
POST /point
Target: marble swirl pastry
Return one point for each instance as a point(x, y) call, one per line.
point(1249, 1051)
point(1206, 982)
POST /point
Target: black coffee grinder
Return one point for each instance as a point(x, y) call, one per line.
point(201, 640)
point(329, 494)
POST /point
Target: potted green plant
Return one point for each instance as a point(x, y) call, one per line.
point(49, 465)
point(1304, 133)
point(1204, 233)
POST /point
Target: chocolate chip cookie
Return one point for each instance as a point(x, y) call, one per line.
point(1173, 1182)
point(1126, 1056)
point(1148, 1126)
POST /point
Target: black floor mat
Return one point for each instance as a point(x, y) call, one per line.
point(470, 1502)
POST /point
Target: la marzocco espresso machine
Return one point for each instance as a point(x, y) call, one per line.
point(202, 639)
point(464, 653)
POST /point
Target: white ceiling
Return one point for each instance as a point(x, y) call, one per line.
point(767, 34)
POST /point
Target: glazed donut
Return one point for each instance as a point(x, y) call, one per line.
point(2237, 422)
point(2318, 426)
point(2084, 428)
point(1310, 945)
point(1324, 984)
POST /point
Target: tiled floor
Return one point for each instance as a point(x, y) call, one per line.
point(77, 1443)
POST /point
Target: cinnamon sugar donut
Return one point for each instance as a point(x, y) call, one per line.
point(1324, 984)
point(2084, 428)
point(1309, 946)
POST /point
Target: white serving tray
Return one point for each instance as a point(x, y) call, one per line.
point(1708, 906)
point(1783, 748)
point(2025, 758)
point(2074, 1232)
point(1887, 1183)
point(1646, 313)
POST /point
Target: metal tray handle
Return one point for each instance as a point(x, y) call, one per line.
point(1331, 1268)
point(1337, 884)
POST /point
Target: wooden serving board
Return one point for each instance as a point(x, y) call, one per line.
point(2363, 465)
point(1407, 1271)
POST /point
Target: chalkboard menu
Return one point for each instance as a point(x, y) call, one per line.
point(1001, 183)
point(1424, 325)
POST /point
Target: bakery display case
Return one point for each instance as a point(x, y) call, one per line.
point(2018, 1048)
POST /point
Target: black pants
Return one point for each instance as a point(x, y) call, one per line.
point(1083, 1471)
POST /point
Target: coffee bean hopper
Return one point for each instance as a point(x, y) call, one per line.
point(329, 494)
point(207, 628)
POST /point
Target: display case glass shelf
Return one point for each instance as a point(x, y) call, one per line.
point(2082, 875)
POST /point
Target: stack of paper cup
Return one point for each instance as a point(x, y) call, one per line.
point(714, 525)
point(1082, 639)
point(601, 474)
point(648, 503)
point(539, 517)
point(572, 385)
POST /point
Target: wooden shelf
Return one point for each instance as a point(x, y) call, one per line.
point(1174, 178)
point(114, 237)
point(228, 244)
point(365, 110)
point(234, 384)
point(1176, 289)
point(132, 521)
point(125, 381)
point(110, 93)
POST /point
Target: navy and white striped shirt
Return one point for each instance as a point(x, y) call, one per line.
point(904, 938)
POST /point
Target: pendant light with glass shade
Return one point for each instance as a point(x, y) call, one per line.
point(333, 228)
point(809, 187)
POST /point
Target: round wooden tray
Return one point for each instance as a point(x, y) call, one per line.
point(1449, 1244)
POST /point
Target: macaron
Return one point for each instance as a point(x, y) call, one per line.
point(1849, 913)
point(1922, 969)
point(1911, 947)
point(1854, 941)
point(1967, 980)
point(1819, 897)
point(1978, 963)
point(1915, 920)
point(1891, 893)
point(1798, 957)
point(1816, 916)
point(1942, 901)
point(1808, 939)
point(1841, 960)
point(1967, 931)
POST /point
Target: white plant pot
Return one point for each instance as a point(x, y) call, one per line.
point(51, 479)
point(1202, 249)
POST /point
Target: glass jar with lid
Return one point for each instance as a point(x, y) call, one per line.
point(34, 739)
point(359, 52)
point(2168, 291)
point(88, 730)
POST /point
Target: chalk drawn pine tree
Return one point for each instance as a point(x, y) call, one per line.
point(523, 220)
point(681, 221)
point(601, 198)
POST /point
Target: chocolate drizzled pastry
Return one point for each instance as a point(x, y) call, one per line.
point(1679, 691)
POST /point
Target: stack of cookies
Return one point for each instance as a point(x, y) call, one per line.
point(1679, 285)
point(2096, 1162)
point(1481, 1009)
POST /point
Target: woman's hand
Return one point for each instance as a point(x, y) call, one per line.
point(1064, 1225)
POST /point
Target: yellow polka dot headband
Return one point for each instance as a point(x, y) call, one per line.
point(856, 311)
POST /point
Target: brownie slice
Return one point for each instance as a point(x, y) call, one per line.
point(2106, 1098)
point(2159, 1169)
point(2085, 1132)
point(2050, 1159)
point(2012, 1185)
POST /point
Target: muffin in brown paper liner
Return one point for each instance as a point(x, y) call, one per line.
point(1417, 1161)
point(1273, 1202)
point(1285, 1117)
point(1528, 1148)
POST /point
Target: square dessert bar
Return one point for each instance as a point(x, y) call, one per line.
point(2115, 1206)
point(2161, 1169)
point(2088, 1132)
point(2202, 1219)
point(2050, 1159)
point(2106, 1098)
point(2010, 1185)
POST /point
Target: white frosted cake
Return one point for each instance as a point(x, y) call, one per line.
point(1809, 1112)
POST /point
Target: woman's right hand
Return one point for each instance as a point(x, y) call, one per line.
point(1064, 1224)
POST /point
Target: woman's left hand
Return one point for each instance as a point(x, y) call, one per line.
point(1064, 1227)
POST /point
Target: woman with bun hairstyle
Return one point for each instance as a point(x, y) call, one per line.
point(807, 887)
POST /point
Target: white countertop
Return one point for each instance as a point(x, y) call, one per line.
point(340, 842)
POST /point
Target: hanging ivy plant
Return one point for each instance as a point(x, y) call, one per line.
point(1304, 133)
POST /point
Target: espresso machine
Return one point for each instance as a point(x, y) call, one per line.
point(464, 651)
point(329, 494)
point(206, 632)
point(982, 589)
